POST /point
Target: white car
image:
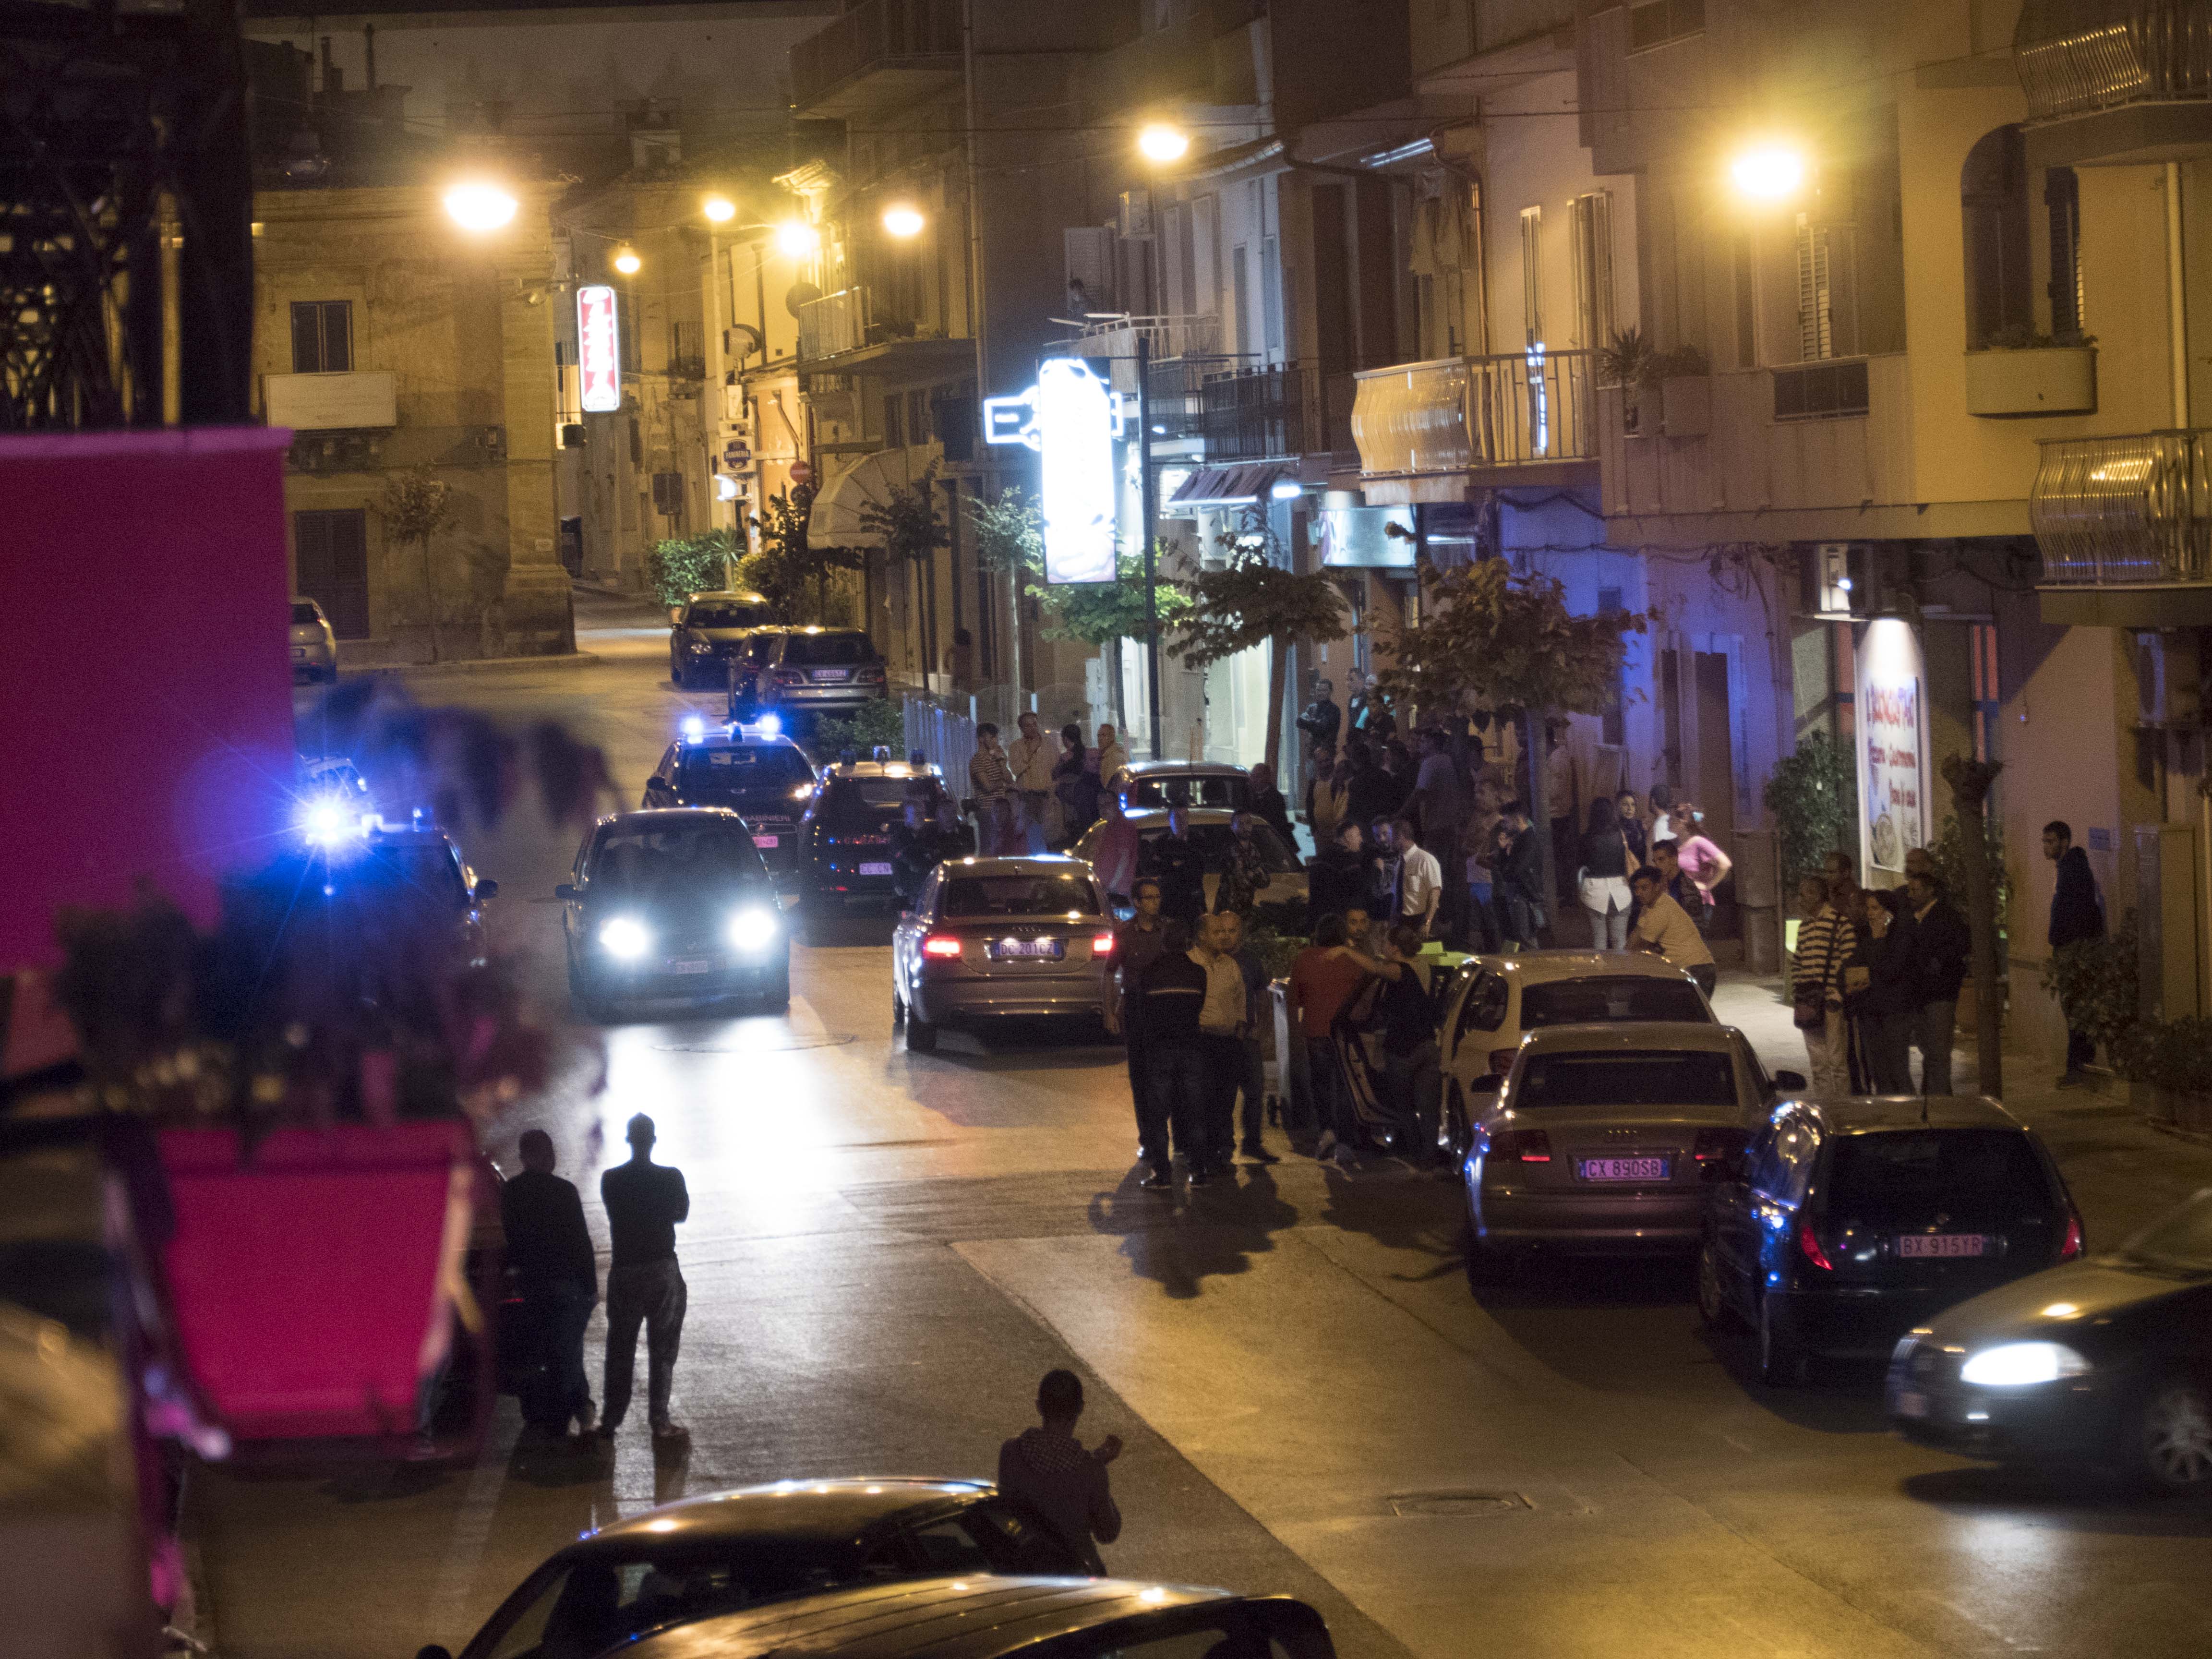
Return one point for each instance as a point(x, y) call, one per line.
point(314, 645)
point(1495, 1000)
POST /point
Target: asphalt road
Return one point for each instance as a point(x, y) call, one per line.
point(885, 1251)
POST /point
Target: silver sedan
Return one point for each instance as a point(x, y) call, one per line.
point(1598, 1142)
point(1000, 938)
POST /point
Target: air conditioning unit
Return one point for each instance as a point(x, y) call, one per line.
point(2167, 680)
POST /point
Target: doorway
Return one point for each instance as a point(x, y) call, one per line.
point(1715, 783)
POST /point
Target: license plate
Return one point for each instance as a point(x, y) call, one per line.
point(298, 652)
point(764, 841)
point(875, 868)
point(1050, 950)
point(1943, 1244)
point(821, 674)
point(1621, 1169)
point(702, 965)
point(1911, 1403)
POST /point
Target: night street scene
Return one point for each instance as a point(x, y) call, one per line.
point(1161, 830)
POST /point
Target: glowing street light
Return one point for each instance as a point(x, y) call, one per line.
point(797, 239)
point(1770, 172)
point(904, 221)
point(625, 260)
point(1160, 142)
point(479, 207)
point(720, 209)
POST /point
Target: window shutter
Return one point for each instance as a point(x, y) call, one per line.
point(1531, 273)
point(1816, 318)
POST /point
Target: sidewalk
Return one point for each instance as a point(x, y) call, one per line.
point(472, 665)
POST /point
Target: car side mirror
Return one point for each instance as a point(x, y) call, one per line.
point(1487, 1083)
point(565, 890)
point(1789, 1082)
point(486, 888)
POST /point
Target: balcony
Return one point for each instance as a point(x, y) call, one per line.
point(1425, 432)
point(362, 400)
point(880, 54)
point(850, 329)
point(1164, 337)
point(2125, 528)
point(2116, 80)
point(1277, 412)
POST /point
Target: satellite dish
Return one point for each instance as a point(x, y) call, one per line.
point(801, 293)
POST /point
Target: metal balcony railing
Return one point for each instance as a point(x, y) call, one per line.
point(1461, 414)
point(2078, 56)
point(1165, 337)
point(834, 323)
point(1276, 413)
point(876, 34)
point(2113, 512)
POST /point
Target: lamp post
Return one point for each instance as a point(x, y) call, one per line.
point(1148, 498)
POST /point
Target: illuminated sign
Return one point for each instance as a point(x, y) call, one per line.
point(598, 351)
point(1072, 418)
point(1892, 713)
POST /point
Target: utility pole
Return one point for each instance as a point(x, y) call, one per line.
point(1147, 490)
point(171, 235)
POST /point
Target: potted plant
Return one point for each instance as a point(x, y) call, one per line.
point(2173, 1057)
point(2016, 372)
point(1623, 363)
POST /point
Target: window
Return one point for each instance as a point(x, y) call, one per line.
point(828, 650)
point(1240, 299)
point(1531, 273)
point(1658, 21)
point(1483, 1007)
point(1994, 210)
point(894, 420)
point(1589, 226)
point(668, 495)
point(724, 613)
point(322, 336)
point(1781, 1163)
point(771, 767)
point(970, 897)
point(2061, 196)
point(330, 558)
point(674, 857)
point(948, 1546)
point(1646, 1076)
point(1816, 324)
point(917, 416)
point(1821, 391)
point(1974, 1177)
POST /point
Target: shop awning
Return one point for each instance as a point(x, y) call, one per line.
point(1228, 486)
point(836, 520)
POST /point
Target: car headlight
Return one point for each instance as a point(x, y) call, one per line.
point(752, 930)
point(625, 937)
point(695, 645)
point(2020, 1364)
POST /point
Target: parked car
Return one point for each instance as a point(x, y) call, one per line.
point(673, 904)
point(710, 629)
point(763, 776)
point(807, 673)
point(720, 1551)
point(1162, 783)
point(1209, 828)
point(1599, 1140)
point(2105, 1360)
point(744, 666)
point(1847, 1223)
point(1493, 1001)
point(314, 645)
point(1000, 938)
point(846, 855)
point(984, 1617)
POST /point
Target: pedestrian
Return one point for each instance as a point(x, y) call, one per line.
point(644, 1202)
point(1031, 756)
point(1662, 813)
point(1631, 811)
point(1222, 1023)
point(1246, 869)
point(960, 661)
point(1412, 1080)
point(1516, 874)
point(1338, 879)
point(1366, 709)
point(1877, 997)
point(1327, 796)
point(1398, 763)
point(550, 1248)
point(1113, 761)
point(991, 781)
point(1258, 1015)
point(1368, 789)
point(1174, 990)
point(1137, 944)
point(1324, 978)
point(1661, 926)
point(1360, 929)
point(1382, 868)
point(1941, 946)
point(1825, 939)
point(1048, 1469)
point(1839, 868)
point(1322, 720)
point(1702, 860)
point(1419, 887)
point(1179, 864)
point(918, 847)
point(1666, 861)
point(1114, 853)
point(1074, 784)
point(2078, 912)
point(1601, 882)
point(1439, 807)
point(1267, 805)
point(1480, 841)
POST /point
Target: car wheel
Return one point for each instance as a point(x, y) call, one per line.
point(674, 671)
point(1487, 1265)
point(898, 1010)
point(777, 996)
point(2170, 1438)
point(920, 1036)
point(1780, 1361)
point(1713, 1310)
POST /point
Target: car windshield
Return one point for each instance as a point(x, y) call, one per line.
point(1212, 841)
point(671, 858)
point(1019, 895)
point(1222, 789)
point(770, 766)
point(1623, 996)
point(877, 797)
point(1627, 1077)
point(2180, 1241)
point(829, 650)
point(305, 613)
point(1936, 1177)
point(725, 613)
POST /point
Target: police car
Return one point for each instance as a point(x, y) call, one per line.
point(751, 768)
point(849, 841)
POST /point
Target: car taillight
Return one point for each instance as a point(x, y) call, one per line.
point(1103, 945)
point(2070, 1245)
point(789, 676)
point(1809, 1247)
point(870, 677)
point(1501, 1060)
point(1720, 1143)
point(1520, 1145)
point(941, 946)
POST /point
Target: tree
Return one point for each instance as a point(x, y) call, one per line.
point(692, 564)
point(1508, 643)
point(912, 534)
point(1252, 601)
point(418, 505)
point(1970, 781)
point(779, 571)
point(1815, 796)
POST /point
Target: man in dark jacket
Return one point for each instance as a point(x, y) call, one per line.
point(1940, 948)
point(918, 847)
point(1180, 865)
point(2076, 915)
point(1339, 877)
point(551, 1251)
point(1174, 992)
point(1051, 1471)
point(1269, 806)
point(1517, 876)
point(1137, 944)
point(1322, 720)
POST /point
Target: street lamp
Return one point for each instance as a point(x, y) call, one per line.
point(796, 239)
point(625, 260)
point(904, 221)
point(480, 207)
point(1162, 142)
point(1768, 173)
point(720, 209)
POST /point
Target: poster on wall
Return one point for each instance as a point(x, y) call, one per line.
point(1892, 711)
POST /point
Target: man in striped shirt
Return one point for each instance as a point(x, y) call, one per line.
point(993, 781)
point(1825, 939)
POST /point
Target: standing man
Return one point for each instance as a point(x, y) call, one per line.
point(2076, 913)
point(1221, 1027)
point(1048, 1469)
point(1663, 926)
point(1112, 758)
point(1439, 806)
point(551, 1251)
point(1412, 1077)
point(1939, 949)
point(1178, 1083)
point(644, 1202)
point(991, 782)
point(1251, 1078)
point(1180, 865)
point(1031, 758)
point(1421, 880)
point(1324, 978)
point(917, 848)
point(1137, 944)
point(1269, 806)
point(1114, 851)
point(1680, 887)
point(1322, 720)
point(1517, 872)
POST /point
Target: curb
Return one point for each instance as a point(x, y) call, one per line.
point(476, 665)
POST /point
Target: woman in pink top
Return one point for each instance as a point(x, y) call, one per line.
point(1704, 864)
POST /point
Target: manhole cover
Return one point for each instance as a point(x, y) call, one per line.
point(827, 1040)
point(1456, 1504)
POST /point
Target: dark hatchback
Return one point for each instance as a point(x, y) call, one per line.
point(1846, 1223)
point(767, 780)
point(673, 905)
point(2106, 1361)
point(848, 843)
point(709, 632)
